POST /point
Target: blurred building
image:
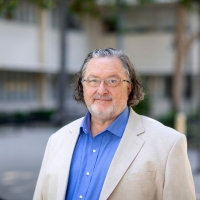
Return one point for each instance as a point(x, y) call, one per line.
point(29, 54)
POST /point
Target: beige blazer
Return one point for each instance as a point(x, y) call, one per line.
point(150, 163)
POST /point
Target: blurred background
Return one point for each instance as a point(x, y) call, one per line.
point(43, 43)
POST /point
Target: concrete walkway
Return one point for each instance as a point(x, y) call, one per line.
point(21, 153)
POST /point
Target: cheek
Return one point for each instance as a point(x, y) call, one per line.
point(88, 93)
point(122, 94)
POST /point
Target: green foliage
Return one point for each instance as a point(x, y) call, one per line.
point(143, 107)
point(41, 115)
point(192, 126)
point(75, 6)
point(187, 3)
point(168, 119)
point(146, 1)
point(7, 7)
point(44, 3)
point(26, 117)
point(82, 7)
point(3, 118)
point(193, 132)
point(19, 117)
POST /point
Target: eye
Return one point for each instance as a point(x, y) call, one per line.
point(112, 80)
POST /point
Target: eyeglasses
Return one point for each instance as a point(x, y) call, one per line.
point(110, 82)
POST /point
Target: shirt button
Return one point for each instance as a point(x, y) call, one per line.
point(80, 196)
point(94, 150)
point(88, 173)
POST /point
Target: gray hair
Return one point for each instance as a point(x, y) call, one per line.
point(136, 94)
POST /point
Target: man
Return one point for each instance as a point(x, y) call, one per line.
point(113, 153)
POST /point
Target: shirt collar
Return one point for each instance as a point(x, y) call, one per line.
point(85, 125)
point(117, 127)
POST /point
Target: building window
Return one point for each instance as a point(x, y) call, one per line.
point(158, 86)
point(73, 21)
point(162, 86)
point(168, 86)
point(143, 19)
point(55, 87)
point(17, 86)
point(188, 86)
point(25, 12)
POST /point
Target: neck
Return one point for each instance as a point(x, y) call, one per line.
point(98, 125)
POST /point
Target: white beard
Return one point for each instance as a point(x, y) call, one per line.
point(109, 112)
point(105, 114)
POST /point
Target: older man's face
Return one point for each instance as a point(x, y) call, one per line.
point(104, 101)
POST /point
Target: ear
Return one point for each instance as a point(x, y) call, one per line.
point(130, 87)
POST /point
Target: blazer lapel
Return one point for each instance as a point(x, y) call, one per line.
point(65, 162)
point(128, 149)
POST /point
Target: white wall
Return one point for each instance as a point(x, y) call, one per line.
point(18, 45)
point(151, 53)
point(19, 48)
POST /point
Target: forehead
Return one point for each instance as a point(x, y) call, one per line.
point(105, 67)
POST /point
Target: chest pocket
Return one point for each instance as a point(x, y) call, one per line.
point(142, 176)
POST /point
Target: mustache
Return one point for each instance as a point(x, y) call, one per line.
point(102, 97)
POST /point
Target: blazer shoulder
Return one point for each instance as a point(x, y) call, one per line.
point(156, 128)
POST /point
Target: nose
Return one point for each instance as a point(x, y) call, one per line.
point(102, 88)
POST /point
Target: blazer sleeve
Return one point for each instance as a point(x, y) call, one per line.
point(38, 190)
point(179, 182)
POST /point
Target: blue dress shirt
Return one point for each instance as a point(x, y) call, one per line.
point(92, 157)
